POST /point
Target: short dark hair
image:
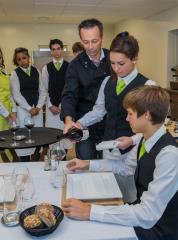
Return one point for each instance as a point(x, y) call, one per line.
point(90, 23)
point(19, 50)
point(77, 47)
point(149, 98)
point(2, 58)
point(55, 41)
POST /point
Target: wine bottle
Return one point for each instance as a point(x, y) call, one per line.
point(74, 134)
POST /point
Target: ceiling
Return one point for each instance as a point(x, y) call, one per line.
point(73, 11)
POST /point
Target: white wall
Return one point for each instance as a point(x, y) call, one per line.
point(156, 39)
point(152, 38)
point(33, 35)
point(157, 53)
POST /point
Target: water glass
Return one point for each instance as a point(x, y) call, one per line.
point(11, 202)
point(58, 177)
point(29, 190)
point(24, 184)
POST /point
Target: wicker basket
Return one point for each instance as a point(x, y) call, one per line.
point(44, 229)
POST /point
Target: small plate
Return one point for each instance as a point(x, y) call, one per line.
point(13, 223)
point(19, 137)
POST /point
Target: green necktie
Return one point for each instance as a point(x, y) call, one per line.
point(57, 65)
point(142, 151)
point(120, 86)
point(28, 71)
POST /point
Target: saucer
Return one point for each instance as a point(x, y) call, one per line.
point(13, 223)
point(19, 137)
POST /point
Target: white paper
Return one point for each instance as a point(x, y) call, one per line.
point(88, 186)
point(107, 145)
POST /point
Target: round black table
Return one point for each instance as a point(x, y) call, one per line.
point(42, 136)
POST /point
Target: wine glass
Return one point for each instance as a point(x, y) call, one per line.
point(14, 127)
point(58, 177)
point(29, 124)
point(58, 152)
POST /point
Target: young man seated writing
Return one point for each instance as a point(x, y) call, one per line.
point(155, 162)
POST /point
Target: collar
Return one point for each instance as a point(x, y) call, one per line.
point(61, 60)
point(150, 142)
point(25, 69)
point(101, 56)
point(129, 78)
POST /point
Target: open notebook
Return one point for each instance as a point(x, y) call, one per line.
point(92, 186)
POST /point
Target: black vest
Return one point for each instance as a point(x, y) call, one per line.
point(90, 80)
point(56, 82)
point(29, 85)
point(168, 223)
point(116, 124)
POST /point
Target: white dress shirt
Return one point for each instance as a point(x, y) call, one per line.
point(154, 200)
point(101, 57)
point(15, 87)
point(45, 78)
point(52, 120)
point(99, 111)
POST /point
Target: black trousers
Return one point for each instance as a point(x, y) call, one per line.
point(152, 234)
point(86, 150)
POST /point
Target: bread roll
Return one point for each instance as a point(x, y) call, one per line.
point(32, 221)
point(47, 217)
point(44, 206)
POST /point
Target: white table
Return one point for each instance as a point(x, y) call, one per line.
point(68, 229)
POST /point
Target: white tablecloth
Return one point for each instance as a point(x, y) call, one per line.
point(68, 229)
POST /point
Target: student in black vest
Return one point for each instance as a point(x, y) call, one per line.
point(53, 75)
point(28, 92)
point(154, 160)
point(123, 56)
point(84, 77)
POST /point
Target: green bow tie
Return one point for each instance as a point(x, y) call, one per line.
point(120, 86)
point(142, 151)
point(28, 71)
point(57, 65)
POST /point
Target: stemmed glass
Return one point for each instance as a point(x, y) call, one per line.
point(29, 124)
point(14, 127)
point(58, 153)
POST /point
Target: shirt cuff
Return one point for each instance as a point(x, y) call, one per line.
point(39, 106)
point(5, 114)
point(82, 123)
point(94, 165)
point(14, 108)
point(97, 213)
